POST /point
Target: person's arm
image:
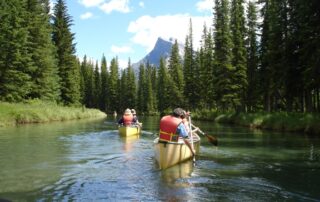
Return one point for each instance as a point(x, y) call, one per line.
point(181, 130)
point(189, 145)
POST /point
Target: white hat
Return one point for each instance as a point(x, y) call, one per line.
point(127, 111)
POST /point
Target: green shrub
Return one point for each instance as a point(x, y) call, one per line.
point(37, 111)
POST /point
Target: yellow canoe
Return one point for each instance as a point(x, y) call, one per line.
point(171, 153)
point(131, 130)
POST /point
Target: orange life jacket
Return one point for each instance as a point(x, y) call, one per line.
point(168, 128)
point(127, 119)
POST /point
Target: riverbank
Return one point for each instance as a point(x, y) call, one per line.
point(279, 121)
point(42, 112)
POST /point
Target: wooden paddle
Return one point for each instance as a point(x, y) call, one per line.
point(211, 139)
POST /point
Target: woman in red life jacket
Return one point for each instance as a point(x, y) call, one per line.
point(127, 118)
point(172, 127)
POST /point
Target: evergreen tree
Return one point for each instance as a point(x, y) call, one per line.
point(188, 69)
point(274, 63)
point(163, 88)
point(176, 75)
point(206, 65)
point(63, 40)
point(225, 91)
point(264, 71)
point(104, 84)
point(123, 91)
point(141, 104)
point(154, 83)
point(239, 60)
point(150, 96)
point(87, 74)
point(114, 86)
point(44, 72)
point(15, 67)
point(252, 58)
point(308, 36)
point(97, 86)
point(131, 87)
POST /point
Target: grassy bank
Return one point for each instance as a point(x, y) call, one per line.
point(280, 121)
point(40, 112)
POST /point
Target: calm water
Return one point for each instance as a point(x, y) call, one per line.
point(89, 161)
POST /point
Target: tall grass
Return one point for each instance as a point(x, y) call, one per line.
point(39, 112)
point(280, 121)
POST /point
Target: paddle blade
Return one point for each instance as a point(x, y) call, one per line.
point(212, 140)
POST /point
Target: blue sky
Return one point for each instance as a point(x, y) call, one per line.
point(130, 28)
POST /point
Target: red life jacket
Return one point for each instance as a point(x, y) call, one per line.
point(168, 128)
point(127, 119)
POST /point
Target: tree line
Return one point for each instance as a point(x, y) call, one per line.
point(256, 56)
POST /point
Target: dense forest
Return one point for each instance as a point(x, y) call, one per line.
point(256, 56)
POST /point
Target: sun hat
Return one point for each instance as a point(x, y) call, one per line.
point(127, 111)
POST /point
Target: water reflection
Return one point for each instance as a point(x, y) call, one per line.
point(129, 142)
point(173, 174)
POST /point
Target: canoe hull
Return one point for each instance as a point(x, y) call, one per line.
point(172, 153)
point(126, 131)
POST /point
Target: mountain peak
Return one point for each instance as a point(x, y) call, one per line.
point(162, 49)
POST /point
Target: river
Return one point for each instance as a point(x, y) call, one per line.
point(89, 161)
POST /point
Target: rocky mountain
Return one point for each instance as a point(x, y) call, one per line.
point(162, 48)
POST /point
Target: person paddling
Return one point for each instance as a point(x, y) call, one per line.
point(172, 128)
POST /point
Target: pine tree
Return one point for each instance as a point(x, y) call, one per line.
point(114, 83)
point(87, 74)
point(225, 92)
point(188, 69)
point(63, 40)
point(150, 96)
point(252, 58)
point(308, 36)
point(15, 66)
point(104, 84)
point(123, 91)
point(141, 104)
point(163, 88)
point(131, 87)
point(97, 86)
point(206, 65)
point(239, 60)
point(44, 72)
point(176, 75)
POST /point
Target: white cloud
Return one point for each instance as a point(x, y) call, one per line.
point(141, 4)
point(147, 29)
point(122, 49)
point(123, 63)
point(86, 15)
point(116, 5)
point(91, 3)
point(205, 5)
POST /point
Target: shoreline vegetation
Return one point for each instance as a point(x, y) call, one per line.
point(42, 112)
point(278, 121)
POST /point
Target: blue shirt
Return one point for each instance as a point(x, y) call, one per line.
point(182, 131)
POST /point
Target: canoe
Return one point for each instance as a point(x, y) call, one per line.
point(131, 130)
point(171, 153)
